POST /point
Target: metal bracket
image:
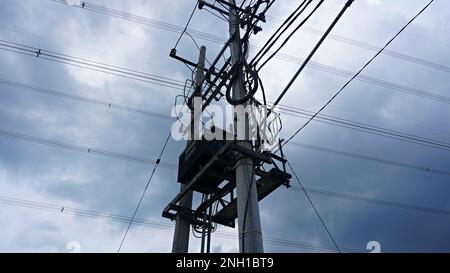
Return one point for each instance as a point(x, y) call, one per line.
point(252, 154)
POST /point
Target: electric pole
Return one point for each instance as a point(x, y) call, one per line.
point(183, 225)
point(249, 222)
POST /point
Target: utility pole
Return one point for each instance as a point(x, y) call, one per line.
point(249, 222)
point(183, 225)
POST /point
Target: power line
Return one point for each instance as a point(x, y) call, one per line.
point(295, 111)
point(360, 71)
point(61, 209)
point(144, 21)
point(367, 128)
point(326, 68)
point(374, 201)
point(123, 108)
point(158, 161)
point(220, 40)
point(327, 119)
point(314, 208)
point(346, 73)
point(280, 31)
point(79, 212)
point(291, 34)
point(174, 166)
point(313, 52)
point(292, 59)
point(136, 159)
point(152, 175)
point(140, 160)
point(321, 67)
point(83, 149)
point(368, 79)
point(187, 25)
point(369, 158)
point(91, 65)
point(390, 53)
point(88, 100)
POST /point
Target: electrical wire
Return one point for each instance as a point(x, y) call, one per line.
point(370, 129)
point(291, 34)
point(271, 41)
point(314, 207)
point(367, 79)
point(345, 196)
point(327, 119)
point(96, 215)
point(136, 159)
point(291, 110)
point(359, 72)
point(145, 190)
point(83, 149)
point(296, 60)
point(92, 65)
point(174, 166)
point(316, 47)
point(217, 39)
point(187, 25)
point(370, 158)
point(88, 100)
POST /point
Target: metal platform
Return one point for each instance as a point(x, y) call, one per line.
point(265, 185)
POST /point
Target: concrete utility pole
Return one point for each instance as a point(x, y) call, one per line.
point(183, 226)
point(249, 222)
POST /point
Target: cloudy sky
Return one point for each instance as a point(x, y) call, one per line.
point(405, 208)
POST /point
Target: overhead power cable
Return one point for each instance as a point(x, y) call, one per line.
point(145, 21)
point(187, 25)
point(62, 209)
point(314, 208)
point(177, 85)
point(367, 128)
point(280, 31)
point(391, 86)
point(139, 160)
point(106, 216)
point(174, 166)
point(91, 65)
point(370, 158)
point(80, 212)
point(374, 201)
point(368, 79)
point(295, 111)
point(83, 149)
point(273, 54)
point(359, 72)
point(313, 52)
point(220, 40)
point(158, 161)
point(70, 96)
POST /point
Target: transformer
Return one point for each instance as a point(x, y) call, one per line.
point(207, 166)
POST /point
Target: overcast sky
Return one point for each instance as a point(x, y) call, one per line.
point(419, 58)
